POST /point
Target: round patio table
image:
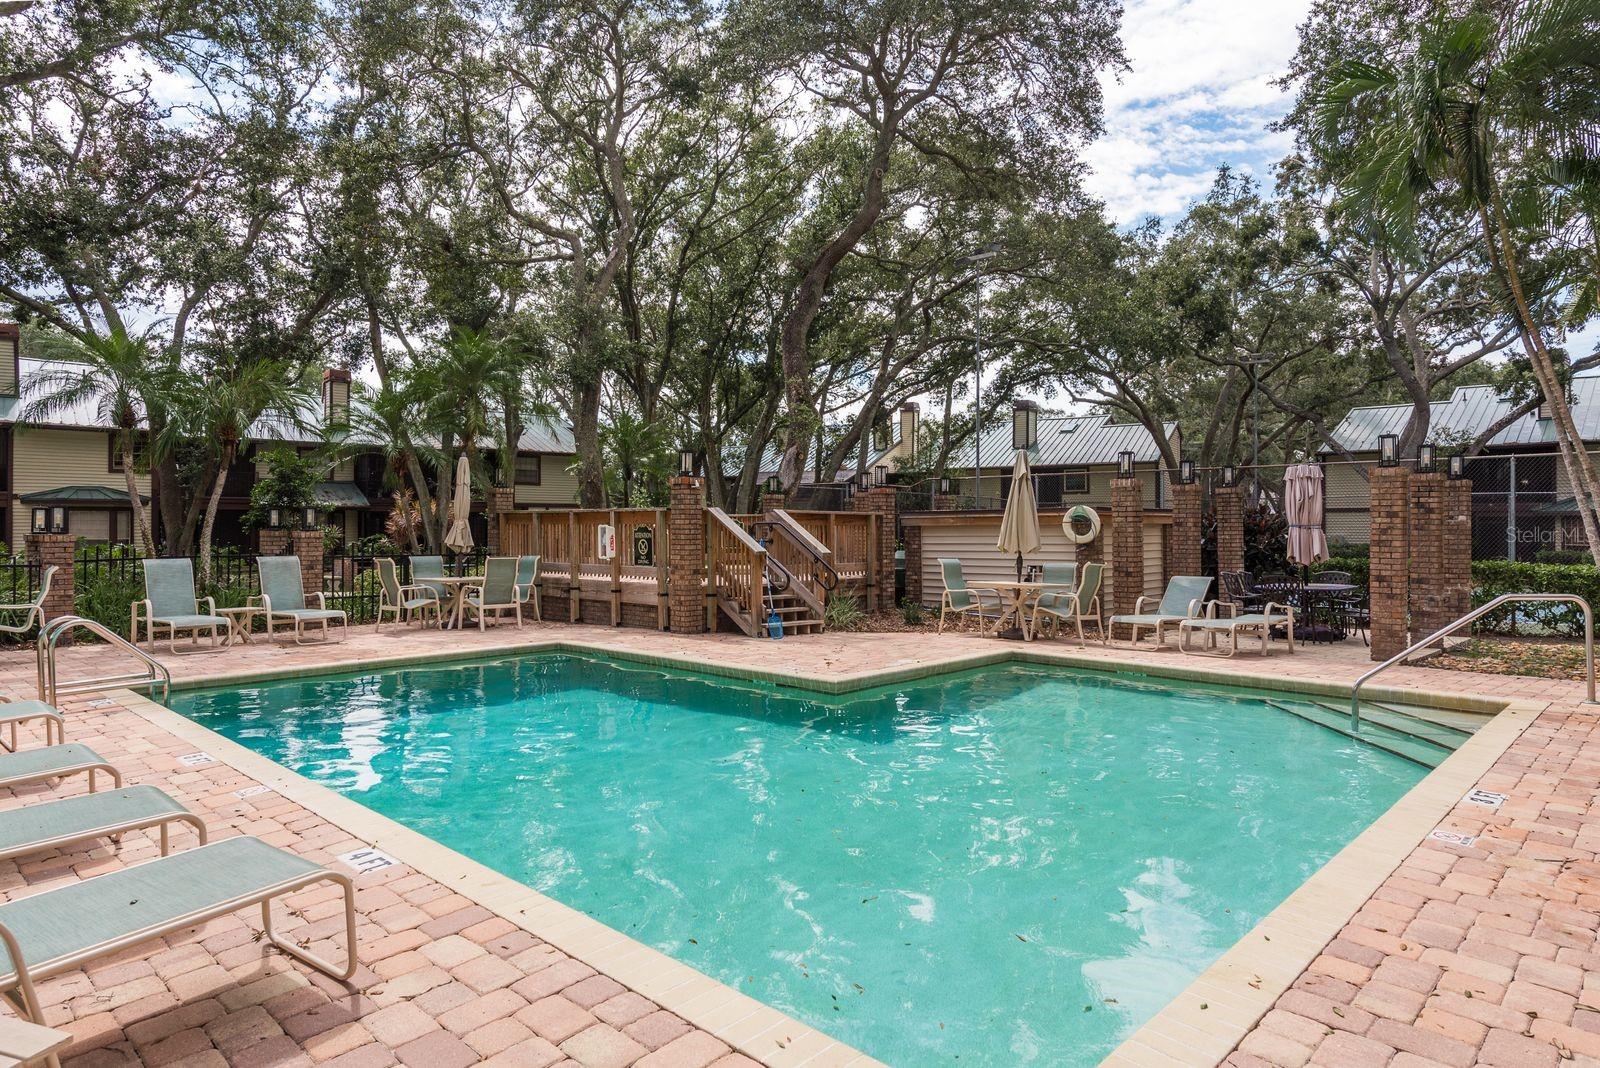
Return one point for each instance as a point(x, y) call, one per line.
point(457, 586)
point(1313, 594)
point(1017, 599)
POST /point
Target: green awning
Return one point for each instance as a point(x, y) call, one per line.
point(82, 496)
point(340, 495)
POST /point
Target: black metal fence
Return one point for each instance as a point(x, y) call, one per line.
point(350, 580)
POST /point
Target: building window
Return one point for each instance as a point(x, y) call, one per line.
point(529, 470)
point(121, 527)
point(1075, 481)
point(114, 454)
point(49, 520)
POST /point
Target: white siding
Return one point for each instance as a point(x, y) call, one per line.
point(46, 459)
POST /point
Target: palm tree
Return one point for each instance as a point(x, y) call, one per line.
point(1502, 118)
point(459, 387)
point(383, 422)
point(219, 408)
point(118, 376)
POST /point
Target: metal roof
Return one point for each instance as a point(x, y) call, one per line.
point(1469, 412)
point(78, 495)
point(1072, 441)
point(339, 495)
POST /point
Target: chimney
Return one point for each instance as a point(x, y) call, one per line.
point(335, 396)
point(10, 359)
point(909, 411)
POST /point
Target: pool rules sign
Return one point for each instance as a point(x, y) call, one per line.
point(605, 541)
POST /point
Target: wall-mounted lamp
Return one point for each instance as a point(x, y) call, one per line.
point(1124, 464)
point(1388, 450)
point(1186, 472)
point(1427, 459)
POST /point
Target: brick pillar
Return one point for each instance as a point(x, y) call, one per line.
point(57, 550)
point(501, 499)
point(913, 535)
point(1127, 543)
point(1183, 537)
point(1388, 580)
point(686, 556)
point(1228, 502)
point(946, 502)
point(272, 541)
point(771, 502)
point(307, 545)
point(881, 500)
point(1457, 572)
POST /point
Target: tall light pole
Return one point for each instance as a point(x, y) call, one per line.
point(974, 259)
point(1254, 363)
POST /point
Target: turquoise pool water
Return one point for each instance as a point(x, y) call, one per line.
point(1008, 866)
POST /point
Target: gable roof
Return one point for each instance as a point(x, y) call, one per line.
point(1070, 441)
point(1468, 412)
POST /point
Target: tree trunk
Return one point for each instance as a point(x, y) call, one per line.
point(144, 545)
point(586, 441)
point(210, 522)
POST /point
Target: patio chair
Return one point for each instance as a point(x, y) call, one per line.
point(1056, 606)
point(957, 599)
point(60, 930)
point(1185, 598)
point(16, 713)
point(424, 568)
point(283, 597)
point(71, 820)
point(497, 592)
point(1258, 623)
point(54, 762)
point(1238, 589)
point(170, 603)
point(33, 610)
point(400, 601)
point(528, 583)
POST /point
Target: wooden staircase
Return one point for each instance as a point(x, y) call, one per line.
point(798, 616)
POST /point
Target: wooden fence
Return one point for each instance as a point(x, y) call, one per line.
point(571, 569)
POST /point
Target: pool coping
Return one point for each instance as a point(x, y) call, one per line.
point(1200, 1026)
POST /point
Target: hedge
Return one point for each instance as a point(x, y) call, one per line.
point(1491, 578)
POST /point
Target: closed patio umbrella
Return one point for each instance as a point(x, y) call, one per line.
point(459, 535)
point(1302, 495)
point(1019, 527)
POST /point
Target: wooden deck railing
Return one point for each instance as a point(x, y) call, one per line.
point(568, 544)
point(736, 566)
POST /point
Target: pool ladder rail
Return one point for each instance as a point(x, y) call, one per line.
point(152, 672)
point(1482, 610)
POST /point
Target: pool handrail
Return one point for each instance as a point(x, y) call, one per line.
point(1476, 613)
point(155, 673)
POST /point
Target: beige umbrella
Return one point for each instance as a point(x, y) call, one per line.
point(459, 536)
point(1302, 498)
point(1019, 527)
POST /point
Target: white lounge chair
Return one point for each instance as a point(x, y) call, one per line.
point(33, 610)
point(1259, 623)
point(58, 824)
point(1185, 598)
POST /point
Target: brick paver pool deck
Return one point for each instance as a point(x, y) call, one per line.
point(1463, 955)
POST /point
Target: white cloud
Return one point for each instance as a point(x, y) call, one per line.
point(1199, 94)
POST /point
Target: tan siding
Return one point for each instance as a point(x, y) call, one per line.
point(49, 459)
point(558, 485)
point(1154, 560)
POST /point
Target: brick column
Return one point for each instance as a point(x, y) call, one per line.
point(1388, 578)
point(307, 545)
point(771, 502)
point(913, 535)
point(1228, 502)
point(501, 499)
point(272, 541)
point(686, 556)
point(946, 502)
point(1183, 537)
point(1127, 543)
point(881, 501)
point(1457, 571)
point(56, 550)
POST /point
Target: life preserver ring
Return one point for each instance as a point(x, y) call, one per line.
point(1088, 515)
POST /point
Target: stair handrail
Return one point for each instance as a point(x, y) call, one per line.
point(1476, 613)
point(802, 539)
point(50, 688)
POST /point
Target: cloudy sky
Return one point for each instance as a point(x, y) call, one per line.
point(1199, 95)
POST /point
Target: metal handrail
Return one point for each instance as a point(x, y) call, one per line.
point(50, 688)
point(1476, 613)
point(822, 571)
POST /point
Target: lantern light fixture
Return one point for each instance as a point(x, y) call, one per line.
point(1186, 472)
point(1388, 450)
point(1024, 424)
point(1230, 475)
point(1427, 458)
point(880, 475)
point(1457, 466)
point(944, 485)
point(773, 485)
point(686, 462)
point(308, 518)
point(863, 479)
point(275, 518)
point(1125, 464)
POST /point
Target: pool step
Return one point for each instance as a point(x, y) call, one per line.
point(1404, 736)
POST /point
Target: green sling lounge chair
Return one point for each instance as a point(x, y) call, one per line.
point(424, 568)
point(33, 610)
point(957, 599)
point(401, 601)
point(528, 583)
point(57, 824)
point(1258, 623)
point(1185, 598)
point(497, 592)
point(170, 603)
point(54, 762)
point(62, 929)
point(15, 713)
point(283, 599)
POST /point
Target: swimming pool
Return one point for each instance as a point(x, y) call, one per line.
point(1010, 865)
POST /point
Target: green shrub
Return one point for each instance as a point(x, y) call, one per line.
point(107, 597)
point(1490, 578)
point(911, 612)
point(1357, 566)
point(843, 613)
